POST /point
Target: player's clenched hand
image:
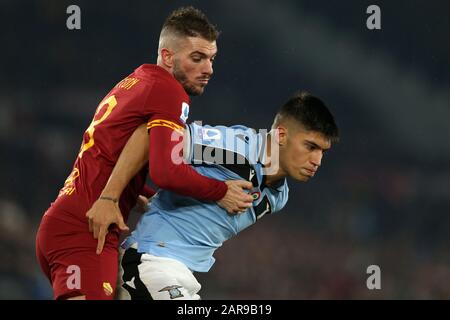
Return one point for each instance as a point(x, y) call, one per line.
point(103, 213)
point(236, 200)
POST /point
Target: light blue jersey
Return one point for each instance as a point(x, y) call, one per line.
point(189, 230)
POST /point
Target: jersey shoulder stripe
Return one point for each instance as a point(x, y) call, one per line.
point(165, 123)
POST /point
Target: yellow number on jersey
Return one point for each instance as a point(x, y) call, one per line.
point(111, 102)
point(69, 185)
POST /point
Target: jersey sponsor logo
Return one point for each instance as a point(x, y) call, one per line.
point(107, 288)
point(184, 112)
point(174, 291)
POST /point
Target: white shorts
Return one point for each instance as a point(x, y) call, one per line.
point(144, 276)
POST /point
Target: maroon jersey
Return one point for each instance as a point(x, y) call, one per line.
point(150, 92)
point(149, 95)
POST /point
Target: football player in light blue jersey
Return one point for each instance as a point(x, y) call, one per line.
point(178, 235)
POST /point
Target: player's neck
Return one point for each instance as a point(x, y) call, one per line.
point(274, 173)
point(159, 63)
point(274, 178)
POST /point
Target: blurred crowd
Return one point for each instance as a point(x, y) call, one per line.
point(372, 203)
point(350, 216)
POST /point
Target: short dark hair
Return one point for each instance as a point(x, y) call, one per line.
point(311, 113)
point(190, 22)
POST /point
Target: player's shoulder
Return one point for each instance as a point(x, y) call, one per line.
point(137, 83)
point(151, 72)
point(278, 194)
point(280, 186)
point(158, 76)
point(165, 95)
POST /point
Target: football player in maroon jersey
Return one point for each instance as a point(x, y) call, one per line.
point(156, 95)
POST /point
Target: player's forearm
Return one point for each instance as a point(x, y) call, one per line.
point(133, 157)
point(183, 180)
point(179, 178)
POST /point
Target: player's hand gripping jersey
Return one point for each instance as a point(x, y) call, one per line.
point(189, 230)
point(149, 95)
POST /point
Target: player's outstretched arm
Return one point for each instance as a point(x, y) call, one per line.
point(105, 211)
point(170, 173)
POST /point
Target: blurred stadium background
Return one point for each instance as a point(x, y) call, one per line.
point(382, 196)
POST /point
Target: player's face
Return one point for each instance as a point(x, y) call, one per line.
point(301, 156)
point(193, 64)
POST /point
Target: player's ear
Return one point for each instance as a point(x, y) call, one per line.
point(167, 57)
point(280, 135)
